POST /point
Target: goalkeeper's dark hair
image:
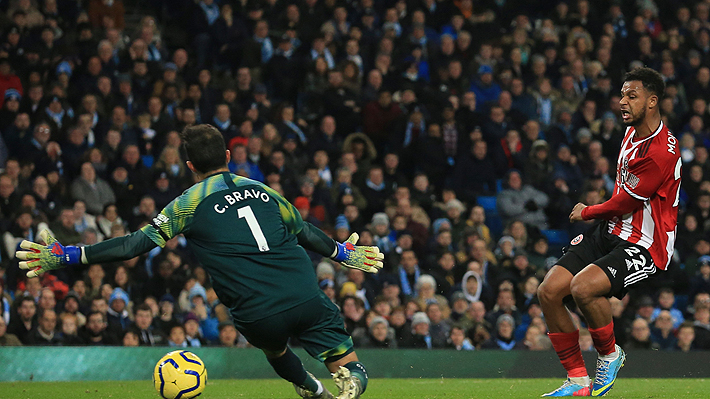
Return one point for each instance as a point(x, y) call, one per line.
point(652, 80)
point(205, 147)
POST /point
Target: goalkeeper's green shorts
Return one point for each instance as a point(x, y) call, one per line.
point(316, 324)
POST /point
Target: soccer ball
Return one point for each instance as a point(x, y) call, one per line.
point(180, 375)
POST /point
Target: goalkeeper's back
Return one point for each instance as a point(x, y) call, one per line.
point(244, 234)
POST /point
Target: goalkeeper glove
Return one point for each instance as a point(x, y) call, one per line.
point(41, 258)
point(367, 259)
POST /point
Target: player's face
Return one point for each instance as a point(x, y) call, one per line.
point(634, 102)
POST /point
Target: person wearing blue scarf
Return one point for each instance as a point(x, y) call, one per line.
point(318, 49)
point(503, 337)
point(413, 132)
point(261, 36)
point(301, 136)
point(56, 112)
point(211, 10)
point(327, 56)
point(221, 125)
point(5, 305)
point(421, 338)
point(409, 273)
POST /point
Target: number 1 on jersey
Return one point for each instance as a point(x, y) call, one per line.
point(248, 214)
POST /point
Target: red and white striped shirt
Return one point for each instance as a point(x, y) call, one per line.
point(649, 170)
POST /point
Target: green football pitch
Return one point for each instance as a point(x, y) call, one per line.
point(378, 388)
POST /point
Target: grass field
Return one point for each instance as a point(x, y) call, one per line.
point(378, 388)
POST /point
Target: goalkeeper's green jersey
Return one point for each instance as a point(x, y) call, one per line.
point(244, 235)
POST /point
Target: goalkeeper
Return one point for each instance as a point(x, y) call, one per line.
point(251, 240)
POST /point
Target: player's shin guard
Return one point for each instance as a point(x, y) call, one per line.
point(358, 371)
point(290, 368)
point(567, 347)
point(604, 340)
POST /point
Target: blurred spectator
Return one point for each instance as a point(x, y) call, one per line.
point(47, 300)
point(117, 313)
point(522, 202)
point(26, 321)
point(107, 13)
point(505, 304)
point(229, 336)
point(95, 331)
point(470, 185)
point(645, 308)
point(701, 324)
point(380, 335)
point(204, 311)
point(503, 336)
point(421, 339)
point(68, 333)
point(458, 341)
point(176, 338)
point(686, 338)
point(439, 327)
point(408, 273)
point(45, 332)
point(353, 311)
point(143, 326)
point(662, 332)
point(193, 336)
point(666, 299)
point(130, 339)
point(72, 307)
point(7, 339)
point(92, 190)
point(64, 228)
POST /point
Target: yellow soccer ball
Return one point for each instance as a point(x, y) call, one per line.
point(180, 375)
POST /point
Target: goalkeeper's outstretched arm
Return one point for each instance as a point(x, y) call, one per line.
point(118, 248)
point(53, 255)
point(314, 239)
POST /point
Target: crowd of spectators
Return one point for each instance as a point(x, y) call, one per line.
point(391, 118)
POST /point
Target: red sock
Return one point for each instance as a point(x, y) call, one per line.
point(567, 347)
point(604, 340)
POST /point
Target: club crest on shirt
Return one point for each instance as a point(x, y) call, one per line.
point(577, 239)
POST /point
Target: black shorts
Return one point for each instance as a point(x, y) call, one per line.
point(624, 263)
point(317, 324)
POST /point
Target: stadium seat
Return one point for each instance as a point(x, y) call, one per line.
point(499, 185)
point(493, 220)
point(488, 204)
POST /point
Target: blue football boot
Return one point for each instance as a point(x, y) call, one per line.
point(606, 373)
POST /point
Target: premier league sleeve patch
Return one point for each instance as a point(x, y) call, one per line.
point(632, 180)
point(577, 239)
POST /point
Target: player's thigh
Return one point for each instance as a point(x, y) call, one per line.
point(625, 265)
point(590, 282)
point(268, 334)
point(556, 284)
point(322, 332)
point(581, 251)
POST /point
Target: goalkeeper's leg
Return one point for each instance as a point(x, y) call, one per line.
point(289, 367)
point(349, 375)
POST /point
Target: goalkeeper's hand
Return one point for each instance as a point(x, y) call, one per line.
point(367, 259)
point(41, 258)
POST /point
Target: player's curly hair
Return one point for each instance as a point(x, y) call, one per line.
point(205, 147)
point(652, 80)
